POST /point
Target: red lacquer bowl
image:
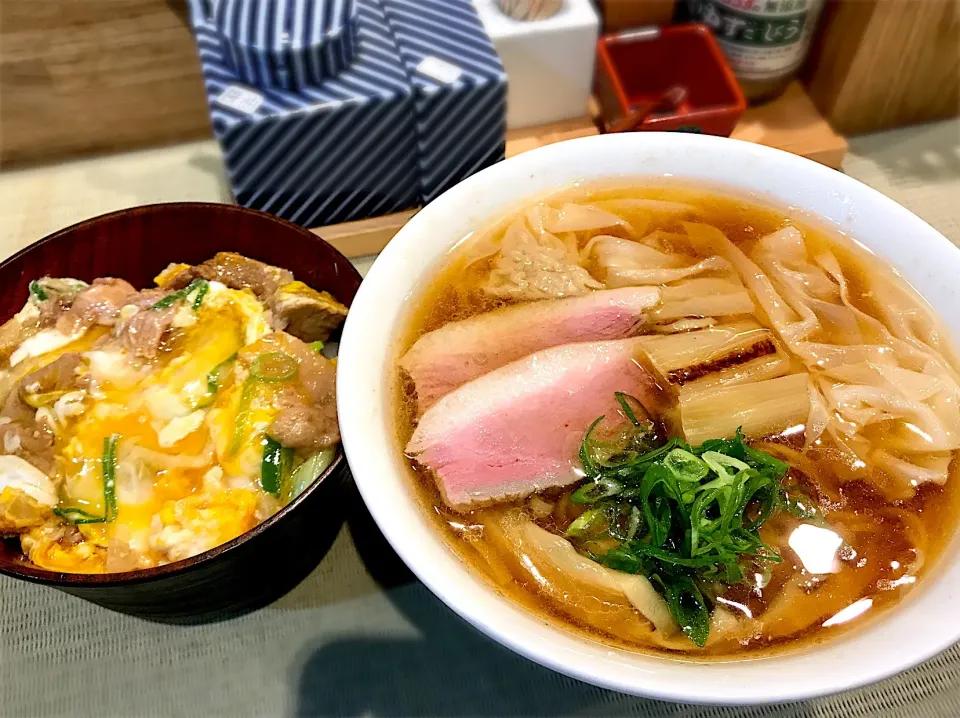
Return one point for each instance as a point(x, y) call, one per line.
point(135, 244)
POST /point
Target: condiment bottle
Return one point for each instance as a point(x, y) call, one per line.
point(765, 41)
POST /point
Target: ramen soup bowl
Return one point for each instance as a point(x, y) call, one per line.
point(880, 645)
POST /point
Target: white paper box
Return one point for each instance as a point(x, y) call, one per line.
point(549, 62)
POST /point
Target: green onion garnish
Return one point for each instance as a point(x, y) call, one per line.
point(274, 367)
point(201, 293)
point(271, 368)
point(213, 378)
point(688, 518)
point(78, 516)
point(317, 346)
point(243, 413)
point(309, 471)
point(108, 464)
point(37, 291)
point(275, 466)
point(200, 286)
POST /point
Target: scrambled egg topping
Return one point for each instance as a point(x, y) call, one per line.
point(181, 487)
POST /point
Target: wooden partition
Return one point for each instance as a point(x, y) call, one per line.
point(87, 76)
point(878, 64)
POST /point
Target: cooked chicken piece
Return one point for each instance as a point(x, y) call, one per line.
point(306, 313)
point(146, 298)
point(312, 428)
point(38, 313)
point(99, 303)
point(142, 333)
point(59, 295)
point(21, 434)
point(308, 409)
point(233, 270)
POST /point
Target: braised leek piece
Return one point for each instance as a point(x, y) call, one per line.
point(762, 408)
point(726, 354)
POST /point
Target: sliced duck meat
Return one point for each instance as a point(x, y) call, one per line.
point(443, 359)
point(99, 303)
point(231, 269)
point(306, 313)
point(517, 430)
point(21, 434)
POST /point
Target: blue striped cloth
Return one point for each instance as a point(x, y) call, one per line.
point(324, 154)
point(460, 89)
point(287, 43)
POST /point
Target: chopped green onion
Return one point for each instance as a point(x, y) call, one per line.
point(627, 409)
point(109, 471)
point(588, 522)
point(317, 346)
point(243, 414)
point(689, 609)
point(685, 466)
point(274, 367)
point(271, 368)
point(213, 378)
point(803, 506)
point(37, 291)
point(309, 471)
point(109, 467)
point(199, 285)
point(623, 520)
point(275, 466)
point(201, 293)
point(721, 462)
point(44, 398)
point(686, 517)
point(78, 516)
point(592, 492)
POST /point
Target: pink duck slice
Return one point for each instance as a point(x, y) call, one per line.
point(517, 430)
point(443, 359)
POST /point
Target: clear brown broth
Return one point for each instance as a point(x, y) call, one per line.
point(881, 526)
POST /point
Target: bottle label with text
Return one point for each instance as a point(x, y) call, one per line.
point(762, 39)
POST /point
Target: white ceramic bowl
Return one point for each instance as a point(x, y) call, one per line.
point(923, 625)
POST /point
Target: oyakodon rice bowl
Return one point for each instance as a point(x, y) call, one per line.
point(665, 512)
point(84, 540)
